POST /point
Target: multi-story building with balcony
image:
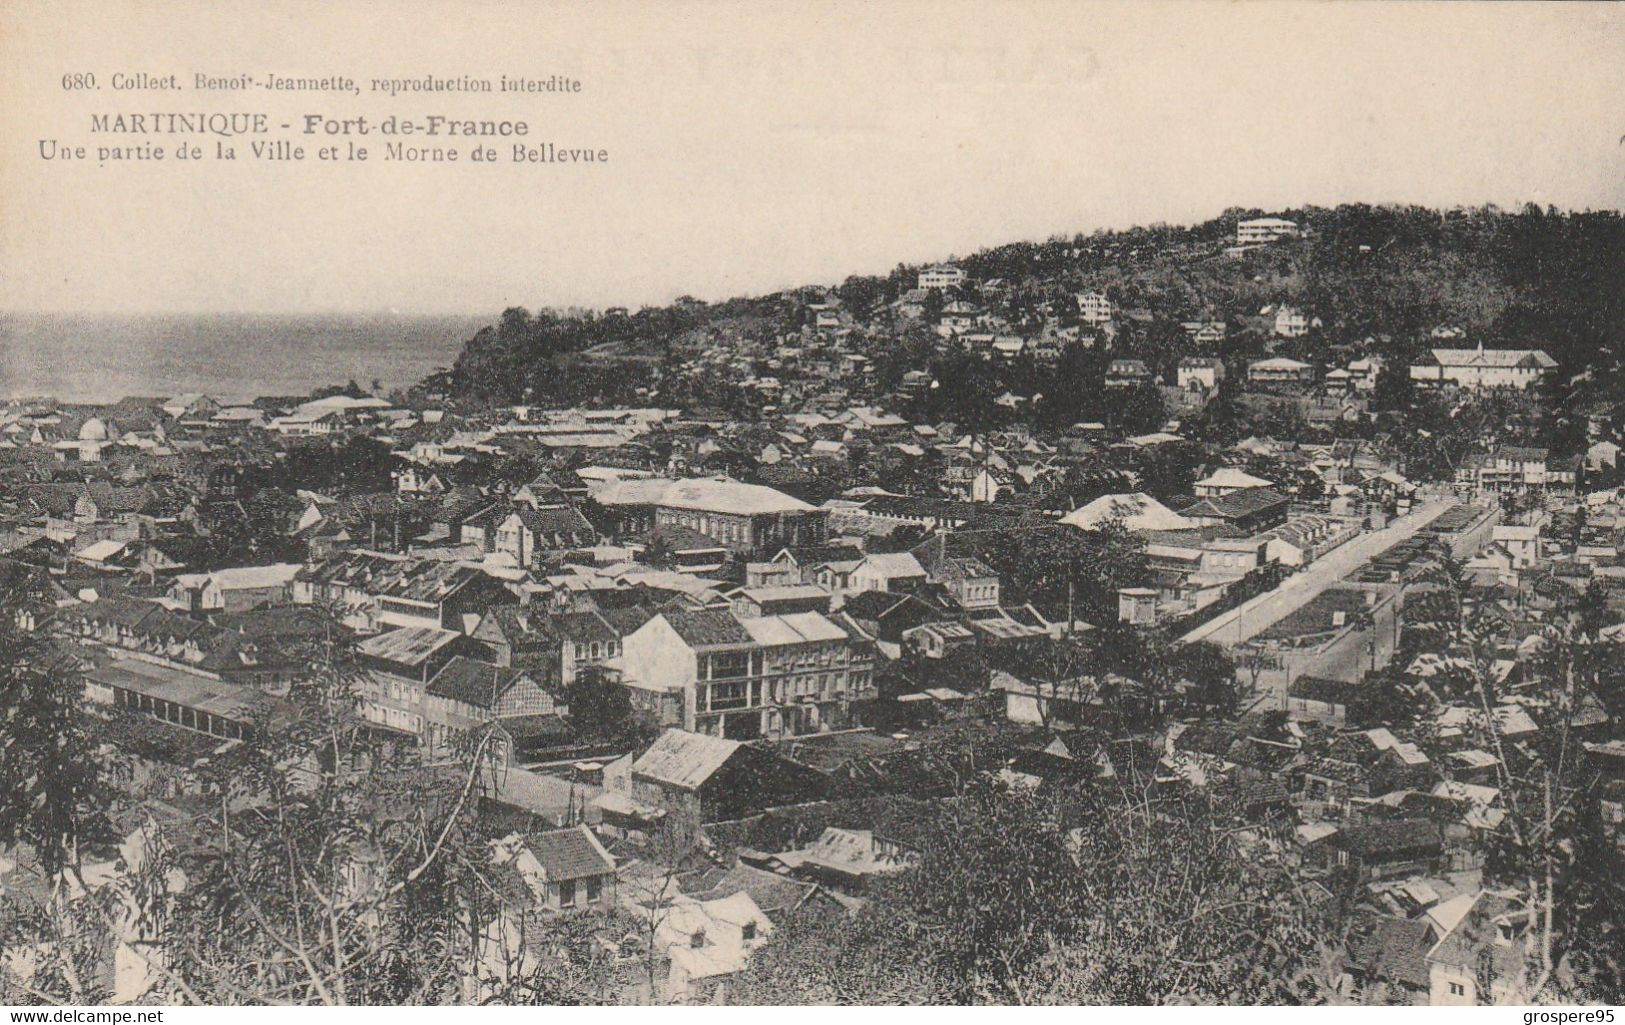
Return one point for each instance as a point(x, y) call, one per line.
point(1517, 469)
point(768, 676)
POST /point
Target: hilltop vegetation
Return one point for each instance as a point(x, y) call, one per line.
point(1382, 277)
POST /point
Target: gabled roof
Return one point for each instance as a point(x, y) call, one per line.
point(684, 759)
point(878, 604)
point(771, 891)
point(1394, 837)
point(1245, 502)
point(1230, 477)
point(1391, 949)
point(471, 682)
point(1475, 933)
point(519, 624)
point(792, 628)
point(894, 564)
point(1500, 358)
point(1278, 363)
point(246, 578)
point(420, 580)
point(564, 521)
point(584, 627)
point(1138, 511)
point(701, 495)
point(410, 645)
point(566, 854)
point(708, 628)
point(101, 551)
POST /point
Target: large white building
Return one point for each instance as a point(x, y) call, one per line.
point(1280, 370)
point(942, 276)
point(1482, 368)
point(1095, 308)
point(767, 676)
point(1291, 322)
point(741, 517)
point(1200, 373)
point(1260, 230)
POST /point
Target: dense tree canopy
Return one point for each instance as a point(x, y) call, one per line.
point(1104, 895)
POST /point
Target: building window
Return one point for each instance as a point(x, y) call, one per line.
point(748, 931)
point(1457, 989)
point(595, 889)
point(567, 893)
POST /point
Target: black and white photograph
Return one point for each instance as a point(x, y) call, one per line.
point(723, 504)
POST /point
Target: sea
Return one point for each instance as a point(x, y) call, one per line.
point(100, 358)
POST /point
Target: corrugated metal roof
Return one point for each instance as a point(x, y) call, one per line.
point(408, 645)
point(684, 759)
point(813, 626)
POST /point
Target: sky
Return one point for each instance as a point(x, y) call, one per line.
point(754, 147)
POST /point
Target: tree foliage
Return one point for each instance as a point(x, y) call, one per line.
point(1104, 894)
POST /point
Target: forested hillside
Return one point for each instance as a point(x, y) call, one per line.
point(1534, 277)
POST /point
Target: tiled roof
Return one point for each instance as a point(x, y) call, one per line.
point(536, 729)
point(771, 891)
point(1396, 837)
point(567, 854)
point(520, 624)
point(1477, 934)
point(584, 627)
point(1391, 949)
point(708, 628)
point(894, 564)
point(425, 580)
point(875, 604)
point(471, 682)
point(1245, 502)
point(565, 522)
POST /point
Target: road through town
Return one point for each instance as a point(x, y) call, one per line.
point(1296, 591)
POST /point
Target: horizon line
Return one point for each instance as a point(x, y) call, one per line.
point(1515, 209)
